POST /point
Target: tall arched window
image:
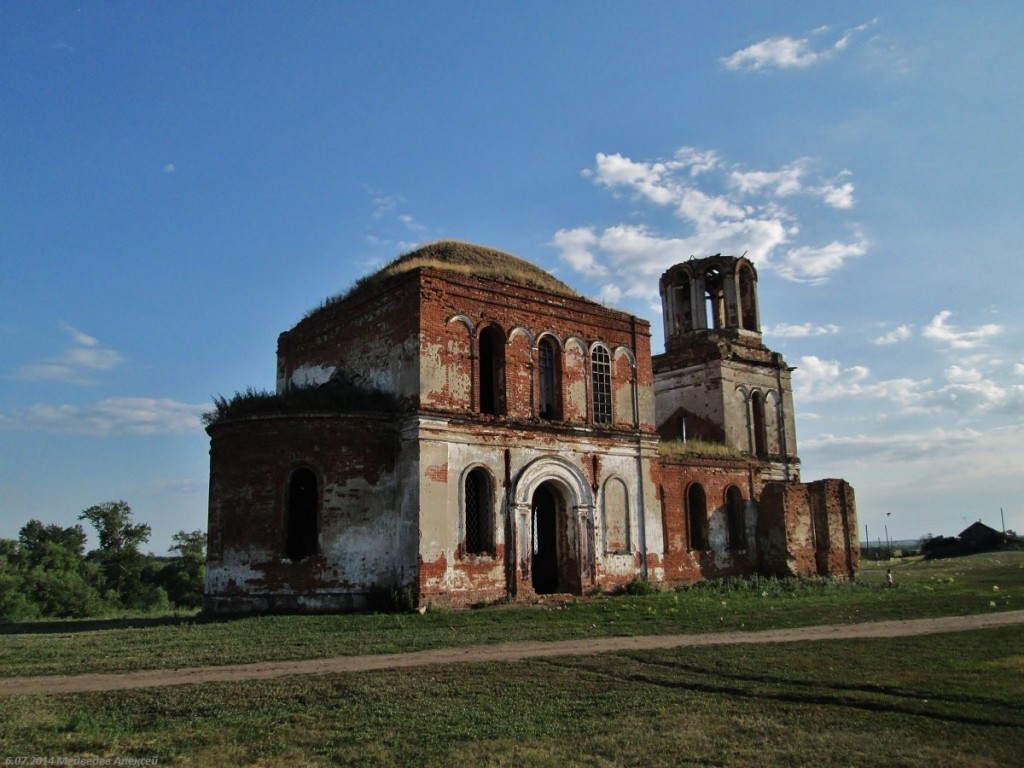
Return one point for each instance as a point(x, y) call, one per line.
point(492, 372)
point(549, 373)
point(715, 298)
point(601, 378)
point(697, 513)
point(760, 429)
point(478, 514)
point(748, 299)
point(300, 519)
point(616, 517)
point(735, 523)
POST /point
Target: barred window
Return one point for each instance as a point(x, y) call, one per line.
point(479, 526)
point(601, 376)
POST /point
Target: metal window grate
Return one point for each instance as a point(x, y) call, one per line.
point(601, 375)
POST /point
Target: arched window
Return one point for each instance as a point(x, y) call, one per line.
point(697, 513)
point(760, 430)
point(478, 514)
point(748, 300)
point(714, 289)
point(549, 372)
point(737, 526)
point(616, 517)
point(492, 372)
point(300, 520)
point(601, 378)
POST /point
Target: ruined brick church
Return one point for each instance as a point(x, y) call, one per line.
point(464, 427)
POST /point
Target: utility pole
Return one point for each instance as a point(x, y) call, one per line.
point(1003, 519)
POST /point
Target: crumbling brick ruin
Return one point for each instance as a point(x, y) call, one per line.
point(463, 427)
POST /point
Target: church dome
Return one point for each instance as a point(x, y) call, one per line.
point(476, 261)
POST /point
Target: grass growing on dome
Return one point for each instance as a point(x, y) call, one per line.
point(464, 259)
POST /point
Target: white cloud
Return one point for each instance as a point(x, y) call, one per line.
point(901, 333)
point(965, 390)
point(696, 161)
point(840, 196)
point(1018, 369)
point(813, 265)
point(727, 209)
point(774, 53)
point(114, 415)
point(74, 364)
point(575, 246)
point(904, 462)
point(169, 168)
point(647, 179)
point(939, 330)
point(786, 52)
point(815, 380)
point(783, 182)
point(799, 331)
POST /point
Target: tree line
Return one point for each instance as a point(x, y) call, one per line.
point(46, 572)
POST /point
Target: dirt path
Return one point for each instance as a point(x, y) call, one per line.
point(499, 652)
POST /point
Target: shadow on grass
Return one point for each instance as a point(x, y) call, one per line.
point(67, 626)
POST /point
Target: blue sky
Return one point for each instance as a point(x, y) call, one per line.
point(180, 182)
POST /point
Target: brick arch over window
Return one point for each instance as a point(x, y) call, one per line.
point(478, 512)
point(697, 516)
point(301, 514)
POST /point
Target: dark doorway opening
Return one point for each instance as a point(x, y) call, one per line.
point(544, 567)
point(301, 515)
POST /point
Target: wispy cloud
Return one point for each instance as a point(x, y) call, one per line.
point(799, 331)
point(726, 208)
point(815, 380)
point(898, 334)
point(964, 390)
point(111, 416)
point(940, 330)
point(76, 364)
point(790, 52)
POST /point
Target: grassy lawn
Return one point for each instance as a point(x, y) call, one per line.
point(942, 700)
point(973, 584)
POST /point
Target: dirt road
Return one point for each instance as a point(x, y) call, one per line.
point(499, 652)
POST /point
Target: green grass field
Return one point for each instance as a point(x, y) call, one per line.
point(941, 700)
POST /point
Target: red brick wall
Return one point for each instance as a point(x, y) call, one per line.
point(251, 460)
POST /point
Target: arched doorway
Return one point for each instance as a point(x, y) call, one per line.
point(554, 564)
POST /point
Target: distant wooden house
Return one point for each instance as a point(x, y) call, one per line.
point(978, 537)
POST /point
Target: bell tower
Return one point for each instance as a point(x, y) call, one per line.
point(717, 381)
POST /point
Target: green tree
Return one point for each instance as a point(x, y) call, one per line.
point(45, 573)
point(118, 557)
point(14, 604)
point(184, 577)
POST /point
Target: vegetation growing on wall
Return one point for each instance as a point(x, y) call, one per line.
point(340, 395)
point(462, 258)
point(697, 448)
